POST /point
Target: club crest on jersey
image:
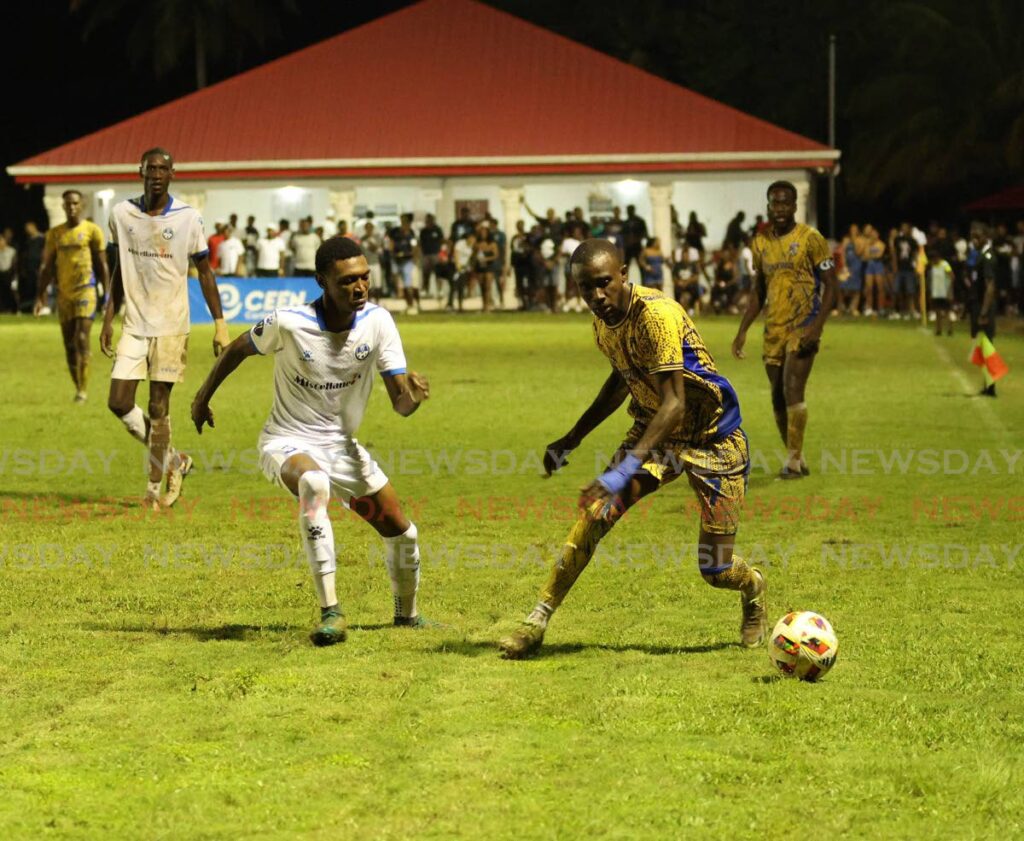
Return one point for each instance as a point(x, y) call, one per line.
point(362, 351)
point(307, 356)
point(794, 247)
point(258, 329)
point(167, 233)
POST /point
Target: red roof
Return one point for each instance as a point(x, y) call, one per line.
point(468, 89)
point(1009, 199)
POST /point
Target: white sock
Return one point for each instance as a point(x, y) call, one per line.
point(135, 423)
point(402, 556)
point(317, 534)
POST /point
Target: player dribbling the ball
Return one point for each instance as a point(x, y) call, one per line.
point(325, 356)
point(686, 423)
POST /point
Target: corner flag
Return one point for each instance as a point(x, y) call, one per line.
point(985, 356)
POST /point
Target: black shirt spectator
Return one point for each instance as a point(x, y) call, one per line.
point(431, 237)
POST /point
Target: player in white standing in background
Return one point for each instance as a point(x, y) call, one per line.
point(325, 356)
point(156, 236)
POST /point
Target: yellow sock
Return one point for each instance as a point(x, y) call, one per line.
point(797, 423)
point(737, 577)
point(579, 548)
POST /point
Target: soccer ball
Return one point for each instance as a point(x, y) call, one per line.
point(803, 645)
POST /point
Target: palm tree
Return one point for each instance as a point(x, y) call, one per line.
point(168, 33)
point(947, 107)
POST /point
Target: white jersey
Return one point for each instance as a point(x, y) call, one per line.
point(153, 253)
point(322, 380)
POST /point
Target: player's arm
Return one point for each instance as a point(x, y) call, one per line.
point(672, 405)
point(114, 301)
point(406, 391)
point(609, 398)
point(208, 283)
point(46, 275)
point(826, 271)
point(755, 303)
point(234, 355)
point(99, 263)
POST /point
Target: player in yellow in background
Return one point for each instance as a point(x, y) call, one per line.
point(74, 256)
point(686, 423)
point(795, 284)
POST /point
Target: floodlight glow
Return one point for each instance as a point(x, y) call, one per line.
point(105, 195)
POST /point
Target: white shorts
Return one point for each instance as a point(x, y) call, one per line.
point(350, 468)
point(159, 358)
point(408, 274)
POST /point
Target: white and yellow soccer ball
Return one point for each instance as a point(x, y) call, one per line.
point(803, 645)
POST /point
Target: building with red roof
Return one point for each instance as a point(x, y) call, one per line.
point(476, 105)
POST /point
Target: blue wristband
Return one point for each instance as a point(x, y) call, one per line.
point(615, 480)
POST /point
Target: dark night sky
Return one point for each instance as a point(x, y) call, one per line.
point(766, 58)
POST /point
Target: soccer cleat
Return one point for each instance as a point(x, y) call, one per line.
point(418, 622)
point(332, 628)
point(754, 627)
point(523, 642)
point(788, 474)
point(151, 502)
point(175, 478)
point(81, 397)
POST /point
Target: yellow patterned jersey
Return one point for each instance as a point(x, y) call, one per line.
point(791, 265)
point(73, 248)
point(656, 335)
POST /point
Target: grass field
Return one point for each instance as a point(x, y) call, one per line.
point(156, 680)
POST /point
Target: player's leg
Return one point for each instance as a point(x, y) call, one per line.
point(301, 474)
point(775, 380)
point(67, 333)
point(579, 547)
point(159, 438)
point(383, 512)
point(795, 371)
point(718, 475)
point(82, 329)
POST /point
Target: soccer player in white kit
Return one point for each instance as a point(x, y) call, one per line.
point(325, 356)
point(156, 236)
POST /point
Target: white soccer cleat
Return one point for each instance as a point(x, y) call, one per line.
point(175, 479)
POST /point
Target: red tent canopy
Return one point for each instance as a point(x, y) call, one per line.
point(443, 87)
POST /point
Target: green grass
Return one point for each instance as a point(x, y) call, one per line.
point(156, 680)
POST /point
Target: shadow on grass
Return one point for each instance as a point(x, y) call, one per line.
point(237, 633)
point(767, 679)
point(477, 648)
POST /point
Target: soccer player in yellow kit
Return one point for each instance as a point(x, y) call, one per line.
point(795, 284)
point(73, 254)
point(686, 423)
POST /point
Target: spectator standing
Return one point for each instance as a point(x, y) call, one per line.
point(734, 231)
point(903, 255)
point(462, 257)
point(1002, 248)
point(231, 257)
point(851, 275)
point(485, 254)
point(431, 238)
point(522, 260)
point(940, 283)
point(285, 227)
point(270, 255)
point(634, 234)
point(695, 233)
point(652, 265)
point(463, 226)
point(303, 246)
point(874, 271)
point(214, 243)
point(405, 250)
point(30, 260)
point(8, 264)
point(373, 244)
point(251, 238)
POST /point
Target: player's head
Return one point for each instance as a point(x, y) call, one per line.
point(72, 206)
point(343, 273)
point(601, 276)
point(781, 203)
point(157, 169)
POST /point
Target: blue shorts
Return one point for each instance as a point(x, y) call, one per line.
point(855, 282)
point(874, 267)
point(906, 283)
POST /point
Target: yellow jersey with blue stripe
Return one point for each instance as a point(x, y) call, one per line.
point(655, 336)
point(791, 266)
point(73, 248)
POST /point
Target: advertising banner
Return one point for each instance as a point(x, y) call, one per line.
point(248, 299)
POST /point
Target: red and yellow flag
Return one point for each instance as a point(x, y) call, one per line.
point(985, 356)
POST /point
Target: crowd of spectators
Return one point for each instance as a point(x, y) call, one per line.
point(879, 277)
